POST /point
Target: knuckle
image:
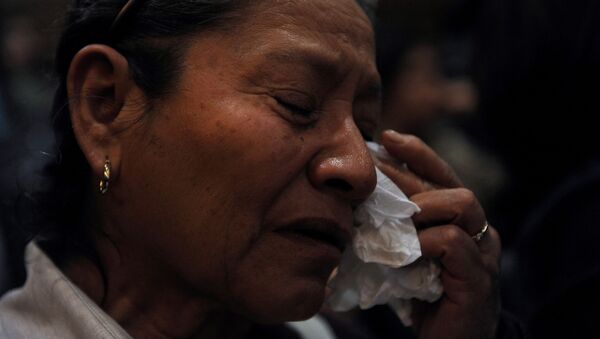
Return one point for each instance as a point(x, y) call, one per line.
point(454, 236)
point(466, 198)
point(448, 173)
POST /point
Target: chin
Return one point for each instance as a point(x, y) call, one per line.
point(298, 301)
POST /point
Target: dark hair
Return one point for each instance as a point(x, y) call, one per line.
point(151, 39)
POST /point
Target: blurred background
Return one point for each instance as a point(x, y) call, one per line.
point(28, 32)
point(505, 90)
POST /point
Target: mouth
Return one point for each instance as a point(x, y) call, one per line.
point(320, 230)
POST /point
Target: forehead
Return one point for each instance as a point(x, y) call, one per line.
point(338, 30)
point(341, 18)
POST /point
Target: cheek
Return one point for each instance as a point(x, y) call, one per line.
point(208, 176)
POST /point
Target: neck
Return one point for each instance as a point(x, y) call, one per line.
point(149, 303)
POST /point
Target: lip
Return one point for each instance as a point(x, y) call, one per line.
point(322, 230)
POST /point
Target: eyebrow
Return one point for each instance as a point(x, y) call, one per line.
point(325, 64)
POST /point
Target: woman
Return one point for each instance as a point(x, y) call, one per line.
point(212, 153)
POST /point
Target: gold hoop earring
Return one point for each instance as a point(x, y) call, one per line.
point(105, 181)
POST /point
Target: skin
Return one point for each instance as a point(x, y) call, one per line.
point(264, 130)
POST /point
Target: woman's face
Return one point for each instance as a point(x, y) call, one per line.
point(241, 183)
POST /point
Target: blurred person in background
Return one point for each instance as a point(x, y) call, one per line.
point(30, 88)
point(26, 90)
point(538, 72)
point(425, 57)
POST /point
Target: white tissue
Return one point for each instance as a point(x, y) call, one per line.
point(382, 266)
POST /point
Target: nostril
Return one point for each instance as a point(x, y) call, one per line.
point(339, 184)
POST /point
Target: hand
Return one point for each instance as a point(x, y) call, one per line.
point(450, 216)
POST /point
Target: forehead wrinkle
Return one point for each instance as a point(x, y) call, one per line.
point(346, 23)
point(296, 48)
point(352, 25)
point(318, 58)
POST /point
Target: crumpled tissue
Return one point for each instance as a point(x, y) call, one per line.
point(384, 264)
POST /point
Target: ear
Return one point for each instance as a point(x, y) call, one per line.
point(99, 85)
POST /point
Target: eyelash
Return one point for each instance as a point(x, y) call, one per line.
point(306, 115)
point(295, 109)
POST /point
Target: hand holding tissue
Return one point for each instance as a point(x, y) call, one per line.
point(383, 264)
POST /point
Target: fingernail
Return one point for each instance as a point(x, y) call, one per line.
point(395, 136)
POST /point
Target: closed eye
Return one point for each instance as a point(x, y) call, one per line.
point(295, 109)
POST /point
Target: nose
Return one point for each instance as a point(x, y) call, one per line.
point(344, 167)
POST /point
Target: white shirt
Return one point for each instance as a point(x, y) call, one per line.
point(50, 306)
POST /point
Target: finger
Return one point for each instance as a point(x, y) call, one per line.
point(454, 248)
point(420, 158)
point(463, 262)
point(470, 282)
point(406, 180)
point(491, 246)
point(457, 206)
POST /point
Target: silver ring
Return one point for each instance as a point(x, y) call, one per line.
point(477, 237)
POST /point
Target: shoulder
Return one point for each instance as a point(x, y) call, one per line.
point(50, 306)
point(16, 317)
